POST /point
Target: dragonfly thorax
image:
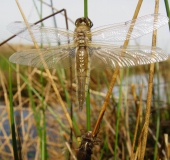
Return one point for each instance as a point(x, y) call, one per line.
point(82, 31)
point(82, 35)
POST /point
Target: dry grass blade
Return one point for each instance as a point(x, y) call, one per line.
point(95, 130)
point(23, 85)
point(5, 94)
point(8, 112)
point(47, 71)
point(167, 146)
point(68, 147)
point(149, 95)
point(137, 121)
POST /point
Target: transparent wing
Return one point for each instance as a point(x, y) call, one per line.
point(41, 34)
point(120, 32)
point(103, 56)
point(60, 56)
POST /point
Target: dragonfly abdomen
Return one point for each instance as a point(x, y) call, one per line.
point(82, 74)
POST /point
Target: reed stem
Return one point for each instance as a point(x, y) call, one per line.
point(47, 71)
point(167, 10)
point(157, 112)
point(95, 130)
point(12, 122)
point(149, 95)
point(88, 111)
point(88, 93)
point(118, 115)
point(85, 8)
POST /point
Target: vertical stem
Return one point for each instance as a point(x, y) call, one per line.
point(43, 125)
point(167, 10)
point(88, 111)
point(149, 95)
point(42, 112)
point(114, 77)
point(118, 115)
point(41, 9)
point(12, 123)
point(88, 93)
point(157, 113)
point(36, 8)
point(139, 111)
point(55, 23)
point(85, 8)
point(47, 71)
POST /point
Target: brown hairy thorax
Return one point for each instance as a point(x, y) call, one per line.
point(81, 32)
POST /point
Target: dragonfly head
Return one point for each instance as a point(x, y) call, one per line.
point(83, 22)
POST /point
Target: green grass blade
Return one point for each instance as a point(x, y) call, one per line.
point(88, 111)
point(167, 10)
point(88, 93)
point(12, 122)
point(43, 130)
point(55, 23)
point(157, 113)
point(118, 115)
point(36, 8)
point(85, 8)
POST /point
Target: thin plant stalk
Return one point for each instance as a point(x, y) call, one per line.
point(36, 8)
point(167, 10)
point(12, 122)
point(88, 111)
point(52, 9)
point(42, 111)
point(85, 8)
point(43, 125)
point(128, 141)
point(47, 71)
point(36, 113)
point(5, 95)
point(118, 115)
point(95, 130)
point(3, 80)
point(149, 94)
point(23, 147)
point(137, 123)
point(88, 93)
point(157, 112)
point(41, 9)
point(113, 80)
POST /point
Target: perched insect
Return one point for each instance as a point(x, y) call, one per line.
point(87, 48)
point(86, 146)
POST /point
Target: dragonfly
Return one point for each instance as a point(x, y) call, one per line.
point(86, 48)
